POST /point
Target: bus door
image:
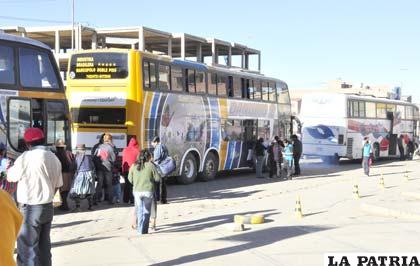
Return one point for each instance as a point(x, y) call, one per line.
point(48, 115)
point(393, 138)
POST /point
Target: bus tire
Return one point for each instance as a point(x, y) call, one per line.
point(189, 170)
point(210, 167)
point(376, 149)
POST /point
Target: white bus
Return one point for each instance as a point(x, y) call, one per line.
point(334, 125)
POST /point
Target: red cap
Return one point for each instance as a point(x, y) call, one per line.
point(33, 134)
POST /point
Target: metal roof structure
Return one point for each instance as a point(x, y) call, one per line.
point(214, 52)
point(14, 38)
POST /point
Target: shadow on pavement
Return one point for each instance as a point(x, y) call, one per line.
point(218, 194)
point(208, 222)
point(313, 213)
point(70, 224)
point(250, 240)
point(391, 173)
point(77, 241)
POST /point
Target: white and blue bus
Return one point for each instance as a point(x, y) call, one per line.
point(334, 125)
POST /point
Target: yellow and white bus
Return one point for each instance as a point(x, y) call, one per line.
point(31, 93)
point(208, 117)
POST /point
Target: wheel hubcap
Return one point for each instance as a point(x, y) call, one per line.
point(209, 167)
point(189, 168)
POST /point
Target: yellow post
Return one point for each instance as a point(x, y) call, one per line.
point(298, 208)
point(356, 192)
point(382, 182)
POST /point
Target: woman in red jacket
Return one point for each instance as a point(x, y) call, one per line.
point(129, 157)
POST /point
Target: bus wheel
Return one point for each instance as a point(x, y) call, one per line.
point(376, 151)
point(189, 170)
point(211, 165)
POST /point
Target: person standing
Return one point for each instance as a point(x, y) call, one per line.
point(95, 147)
point(160, 153)
point(274, 158)
point(67, 168)
point(83, 186)
point(129, 157)
point(410, 149)
point(259, 154)
point(278, 155)
point(367, 155)
point(297, 153)
point(143, 175)
point(10, 222)
point(106, 157)
point(401, 147)
point(288, 158)
point(38, 172)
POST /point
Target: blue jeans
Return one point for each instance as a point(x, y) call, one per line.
point(366, 165)
point(34, 243)
point(143, 202)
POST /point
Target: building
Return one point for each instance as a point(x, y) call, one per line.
point(63, 40)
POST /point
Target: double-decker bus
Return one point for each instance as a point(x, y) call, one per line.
point(335, 124)
point(208, 117)
point(31, 93)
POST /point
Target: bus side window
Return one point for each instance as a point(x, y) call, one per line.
point(264, 89)
point(200, 82)
point(272, 92)
point(401, 111)
point(190, 74)
point(164, 71)
point(380, 110)
point(362, 109)
point(177, 79)
point(244, 88)
point(230, 86)
point(237, 91)
point(7, 65)
point(146, 74)
point(251, 88)
point(153, 78)
point(355, 109)
point(257, 93)
point(221, 85)
point(213, 84)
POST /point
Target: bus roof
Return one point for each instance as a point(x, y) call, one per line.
point(369, 98)
point(377, 99)
point(14, 38)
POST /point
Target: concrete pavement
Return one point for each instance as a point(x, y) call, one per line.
point(196, 227)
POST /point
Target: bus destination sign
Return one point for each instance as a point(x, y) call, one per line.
point(99, 66)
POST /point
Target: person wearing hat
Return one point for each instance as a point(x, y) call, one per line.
point(38, 173)
point(66, 158)
point(84, 181)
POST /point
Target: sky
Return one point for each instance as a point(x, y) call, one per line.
point(303, 42)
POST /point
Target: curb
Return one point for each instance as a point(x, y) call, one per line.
point(411, 195)
point(386, 212)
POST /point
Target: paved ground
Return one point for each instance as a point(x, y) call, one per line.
point(196, 227)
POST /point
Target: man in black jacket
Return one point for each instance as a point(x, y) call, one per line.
point(297, 153)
